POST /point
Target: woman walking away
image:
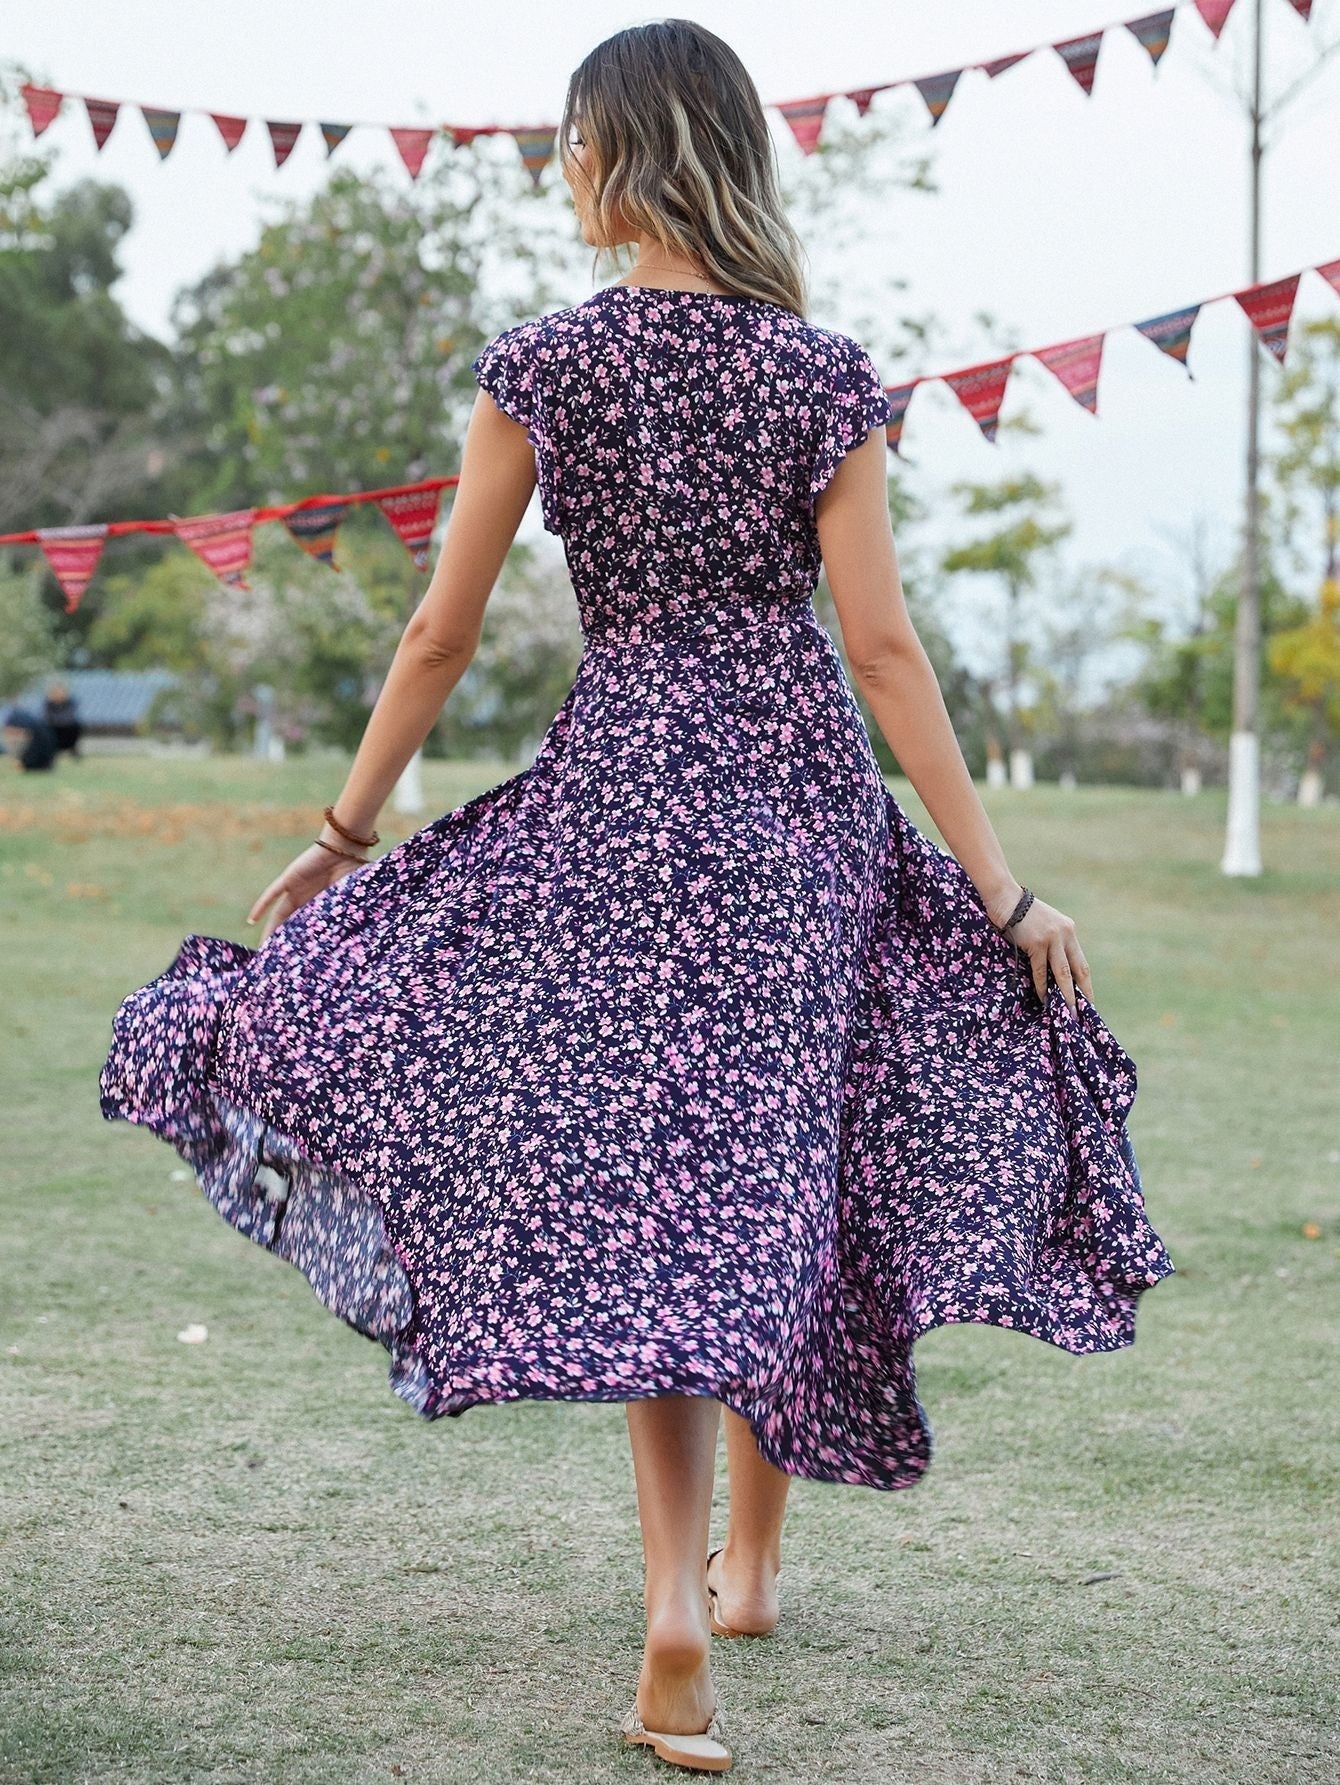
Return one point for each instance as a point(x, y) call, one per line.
point(678, 1069)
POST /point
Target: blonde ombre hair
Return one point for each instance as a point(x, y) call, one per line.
point(680, 150)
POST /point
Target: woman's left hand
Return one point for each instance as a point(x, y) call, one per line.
point(305, 876)
point(1048, 937)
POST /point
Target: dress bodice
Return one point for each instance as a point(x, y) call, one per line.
point(681, 439)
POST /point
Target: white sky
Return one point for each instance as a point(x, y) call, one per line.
point(1060, 215)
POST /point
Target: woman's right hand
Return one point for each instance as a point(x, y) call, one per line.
point(305, 876)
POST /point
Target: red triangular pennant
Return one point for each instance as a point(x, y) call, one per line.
point(1215, 13)
point(1152, 32)
point(1001, 63)
point(282, 139)
point(43, 105)
point(1076, 363)
point(806, 118)
point(1331, 274)
point(937, 90)
point(102, 115)
point(413, 146)
point(981, 390)
point(413, 514)
point(230, 129)
point(1302, 7)
point(222, 541)
point(72, 553)
point(1269, 308)
point(899, 398)
point(1080, 55)
point(163, 127)
point(464, 134)
point(861, 98)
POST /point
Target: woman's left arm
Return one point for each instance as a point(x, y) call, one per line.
point(441, 636)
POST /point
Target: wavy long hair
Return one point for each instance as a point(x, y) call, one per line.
point(680, 150)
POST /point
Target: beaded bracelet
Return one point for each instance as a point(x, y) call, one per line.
point(364, 842)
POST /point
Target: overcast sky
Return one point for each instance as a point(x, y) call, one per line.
point(1059, 214)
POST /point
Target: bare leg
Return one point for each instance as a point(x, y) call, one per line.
point(674, 1441)
point(744, 1575)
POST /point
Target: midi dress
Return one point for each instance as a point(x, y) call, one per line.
point(679, 1061)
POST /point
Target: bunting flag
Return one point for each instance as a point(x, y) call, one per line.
point(899, 398)
point(1153, 32)
point(981, 390)
point(1076, 363)
point(72, 553)
point(1302, 7)
point(314, 529)
point(43, 105)
point(163, 127)
point(1215, 13)
point(1269, 308)
point(230, 129)
point(413, 146)
point(1172, 333)
point(806, 118)
point(221, 541)
point(536, 147)
point(102, 115)
point(282, 139)
point(937, 90)
point(413, 514)
point(1331, 274)
point(1080, 55)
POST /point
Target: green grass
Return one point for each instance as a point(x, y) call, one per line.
point(247, 1561)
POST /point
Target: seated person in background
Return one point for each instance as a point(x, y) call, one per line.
point(62, 715)
point(29, 740)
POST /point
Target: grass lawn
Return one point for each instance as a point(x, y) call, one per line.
point(246, 1560)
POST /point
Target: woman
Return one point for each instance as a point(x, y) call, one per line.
point(678, 1069)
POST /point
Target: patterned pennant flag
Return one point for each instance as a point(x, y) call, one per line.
point(334, 135)
point(163, 127)
point(1331, 274)
point(1153, 31)
point(900, 395)
point(282, 139)
point(937, 90)
point(536, 147)
point(981, 390)
point(230, 129)
point(806, 118)
point(1001, 63)
point(861, 98)
point(102, 114)
point(1302, 7)
point(43, 105)
point(315, 529)
point(1076, 363)
point(1080, 55)
point(1215, 13)
point(73, 553)
point(413, 146)
point(1171, 333)
point(222, 541)
point(462, 135)
point(1269, 307)
point(413, 514)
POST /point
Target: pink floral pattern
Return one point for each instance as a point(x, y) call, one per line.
point(679, 1061)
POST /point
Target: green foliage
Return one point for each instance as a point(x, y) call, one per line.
point(31, 646)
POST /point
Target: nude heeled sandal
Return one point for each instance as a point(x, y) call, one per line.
point(706, 1753)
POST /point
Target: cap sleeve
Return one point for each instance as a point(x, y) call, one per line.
point(857, 402)
point(506, 370)
point(509, 369)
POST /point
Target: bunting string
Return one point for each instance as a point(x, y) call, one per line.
point(223, 541)
point(535, 143)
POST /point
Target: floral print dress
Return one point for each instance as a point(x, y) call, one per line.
point(679, 1061)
